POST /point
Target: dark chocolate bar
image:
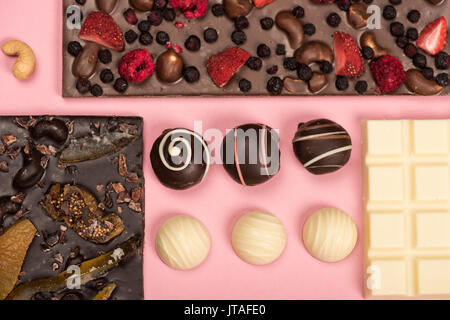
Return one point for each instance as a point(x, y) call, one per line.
point(254, 47)
point(75, 186)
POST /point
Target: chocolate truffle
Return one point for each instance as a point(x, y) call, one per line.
point(183, 242)
point(169, 66)
point(180, 158)
point(329, 235)
point(258, 238)
point(322, 146)
point(251, 154)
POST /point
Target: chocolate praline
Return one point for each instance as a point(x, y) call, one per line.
point(169, 66)
point(251, 154)
point(322, 146)
point(180, 158)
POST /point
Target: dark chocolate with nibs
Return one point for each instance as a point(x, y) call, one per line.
point(83, 202)
point(226, 19)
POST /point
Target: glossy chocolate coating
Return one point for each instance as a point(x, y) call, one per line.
point(237, 8)
point(107, 6)
point(317, 82)
point(357, 15)
point(286, 21)
point(314, 51)
point(417, 83)
point(368, 39)
point(89, 174)
point(322, 146)
point(169, 66)
point(85, 65)
point(142, 5)
point(314, 13)
point(251, 154)
point(180, 159)
point(294, 85)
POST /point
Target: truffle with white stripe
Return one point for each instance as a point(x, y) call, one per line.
point(322, 146)
point(251, 154)
point(180, 158)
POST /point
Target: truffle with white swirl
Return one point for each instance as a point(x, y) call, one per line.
point(180, 158)
point(322, 146)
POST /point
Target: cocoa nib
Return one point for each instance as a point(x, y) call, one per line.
point(123, 197)
point(132, 177)
point(18, 198)
point(4, 166)
point(25, 123)
point(118, 187)
point(123, 168)
point(9, 140)
point(13, 153)
point(135, 206)
point(136, 194)
point(128, 128)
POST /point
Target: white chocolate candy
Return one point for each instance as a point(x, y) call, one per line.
point(329, 235)
point(258, 238)
point(183, 242)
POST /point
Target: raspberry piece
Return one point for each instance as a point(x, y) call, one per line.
point(388, 73)
point(136, 66)
point(191, 8)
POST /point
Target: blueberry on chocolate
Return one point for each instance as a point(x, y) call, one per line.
point(105, 56)
point(191, 74)
point(266, 23)
point(241, 23)
point(275, 85)
point(96, 90)
point(144, 26)
point(145, 38)
point(121, 85)
point(162, 38)
point(333, 20)
point(210, 35)
point(130, 36)
point(83, 85)
point(245, 85)
point(193, 43)
point(389, 12)
point(106, 76)
point(74, 48)
point(254, 63)
point(341, 83)
point(263, 51)
point(238, 37)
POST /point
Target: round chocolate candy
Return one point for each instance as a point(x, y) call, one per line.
point(322, 146)
point(169, 66)
point(180, 158)
point(183, 242)
point(251, 154)
point(258, 238)
point(330, 235)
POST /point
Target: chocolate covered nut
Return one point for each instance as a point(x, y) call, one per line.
point(107, 6)
point(357, 15)
point(435, 2)
point(294, 85)
point(237, 8)
point(317, 82)
point(142, 5)
point(368, 39)
point(287, 22)
point(169, 66)
point(31, 173)
point(417, 83)
point(55, 130)
point(85, 64)
point(314, 51)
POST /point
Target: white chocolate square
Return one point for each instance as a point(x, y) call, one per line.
point(387, 230)
point(431, 183)
point(433, 276)
point(386, 137)
point(433, 229)
point(431, 137)
point(389, 277)
point(386, 183)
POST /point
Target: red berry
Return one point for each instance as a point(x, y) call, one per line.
point(388, 73)
point(137, 65)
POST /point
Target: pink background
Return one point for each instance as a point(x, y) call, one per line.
point(292, 195)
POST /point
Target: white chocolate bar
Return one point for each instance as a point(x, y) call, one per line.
point(406, 185)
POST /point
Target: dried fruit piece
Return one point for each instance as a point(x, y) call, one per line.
point(101, 28)
point(91, 148)
point(433, 37)
point(14, 244)
point(89, 270)
point(222, 66)
point(106, 292)
point(348, 59)
point(78, 208)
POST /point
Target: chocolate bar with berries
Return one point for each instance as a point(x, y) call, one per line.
point(255, 47)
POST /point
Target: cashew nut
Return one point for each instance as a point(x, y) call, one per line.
point(26, 61)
